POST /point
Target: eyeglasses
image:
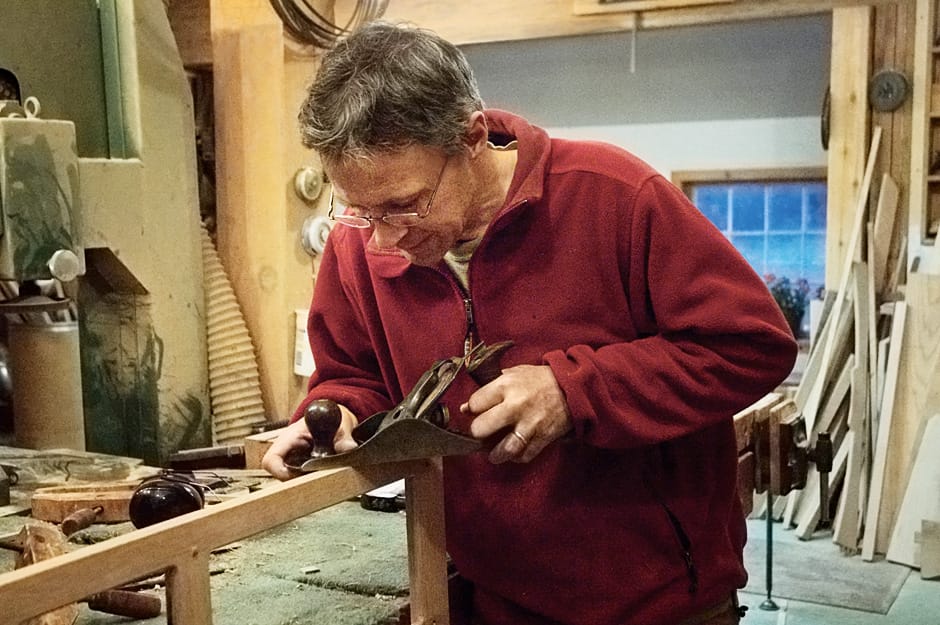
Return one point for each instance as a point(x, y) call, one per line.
point(338, 210)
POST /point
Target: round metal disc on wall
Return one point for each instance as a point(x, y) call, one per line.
point(308, 183)
point(313, 234)
point(887, 90)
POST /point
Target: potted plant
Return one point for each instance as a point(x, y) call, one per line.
point(792, 297)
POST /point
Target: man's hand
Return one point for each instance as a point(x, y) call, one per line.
point(296, 440)
point(527, 402)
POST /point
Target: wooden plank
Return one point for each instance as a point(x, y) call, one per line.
point(189, 598)
point(811, 372)
point(921, 499)
point(594, 7)
point(847, 524)
point(109, 564)
point(870, 538)
point(850, 69)
point(836, 396)
point(57, 502)
point(851, 251)
point(497, 20)
point(427, 559)
point(846, 527)
point(882, 234)
point(918, 391)
point(808, 518)
point(256, 445)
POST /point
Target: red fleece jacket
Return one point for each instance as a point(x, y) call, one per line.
point(657, 331)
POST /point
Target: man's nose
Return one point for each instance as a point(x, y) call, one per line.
point(386, 236)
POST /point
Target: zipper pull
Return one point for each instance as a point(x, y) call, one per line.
point(468, 339)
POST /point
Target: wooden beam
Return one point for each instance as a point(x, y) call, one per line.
point(496, 20)
point(256, 140)
point(850, 69)
point(594, 7)
point(427, 559)
point(181, 545)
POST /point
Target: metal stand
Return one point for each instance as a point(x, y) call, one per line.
point(769, 604)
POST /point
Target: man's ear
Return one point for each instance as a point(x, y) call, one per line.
point(477, 134)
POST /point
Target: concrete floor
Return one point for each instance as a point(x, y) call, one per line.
point(917, 603)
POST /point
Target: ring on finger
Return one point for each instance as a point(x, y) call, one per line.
point(522, 439)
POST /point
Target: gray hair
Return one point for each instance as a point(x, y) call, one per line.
point(387, 87)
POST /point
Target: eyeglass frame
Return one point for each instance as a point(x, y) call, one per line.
point(363, 221)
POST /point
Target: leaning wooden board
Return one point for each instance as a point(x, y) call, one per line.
point(57, 502)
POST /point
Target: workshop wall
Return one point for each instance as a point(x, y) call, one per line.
point(720, 96)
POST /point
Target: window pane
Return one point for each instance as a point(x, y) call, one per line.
point(815, 258)
point(748, 207)
point(792, 242)
point(751, 247)
point(816, 206)
point(712, 200)
point(785, 249)
point(785, 207)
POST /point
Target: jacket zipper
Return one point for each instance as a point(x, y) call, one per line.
point(686, 546)
point(471, 327)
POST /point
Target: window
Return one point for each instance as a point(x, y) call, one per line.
point(776, 219)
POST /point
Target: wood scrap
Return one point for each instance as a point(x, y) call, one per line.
point(42, 541)
point(929, 539)
point(55, 503)
point(921, 498)
point(39, 541)
point(870, 538)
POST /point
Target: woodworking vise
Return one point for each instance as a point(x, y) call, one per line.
point(782, 453)
point(415, 428)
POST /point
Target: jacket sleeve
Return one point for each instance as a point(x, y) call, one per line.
point(711, 339)
point(346, 368)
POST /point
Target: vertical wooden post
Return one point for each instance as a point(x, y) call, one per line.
point(427, 556)
point(188, 597)
point(848, 141)
point(251, 178)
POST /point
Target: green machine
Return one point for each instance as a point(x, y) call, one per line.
point(98, 193)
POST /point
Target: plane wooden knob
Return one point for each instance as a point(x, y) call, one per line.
point(322, 417)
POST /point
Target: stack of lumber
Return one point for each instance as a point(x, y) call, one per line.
point(871, 382)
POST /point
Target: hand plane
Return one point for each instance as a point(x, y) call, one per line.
point(415, 428)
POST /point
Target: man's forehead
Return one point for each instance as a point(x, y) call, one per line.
point(380, 179)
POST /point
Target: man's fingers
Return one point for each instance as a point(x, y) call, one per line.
point(343, 441)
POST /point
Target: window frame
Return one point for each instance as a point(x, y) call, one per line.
point(686, 179)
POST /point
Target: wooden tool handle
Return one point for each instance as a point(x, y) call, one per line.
point(80, 519)
point(137, 605)
point(322, 417)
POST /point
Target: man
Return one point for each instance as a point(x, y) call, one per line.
point(609, 496)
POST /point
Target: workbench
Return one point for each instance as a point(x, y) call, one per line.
point(343, 564)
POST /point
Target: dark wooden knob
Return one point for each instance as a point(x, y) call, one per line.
point(322, 417)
